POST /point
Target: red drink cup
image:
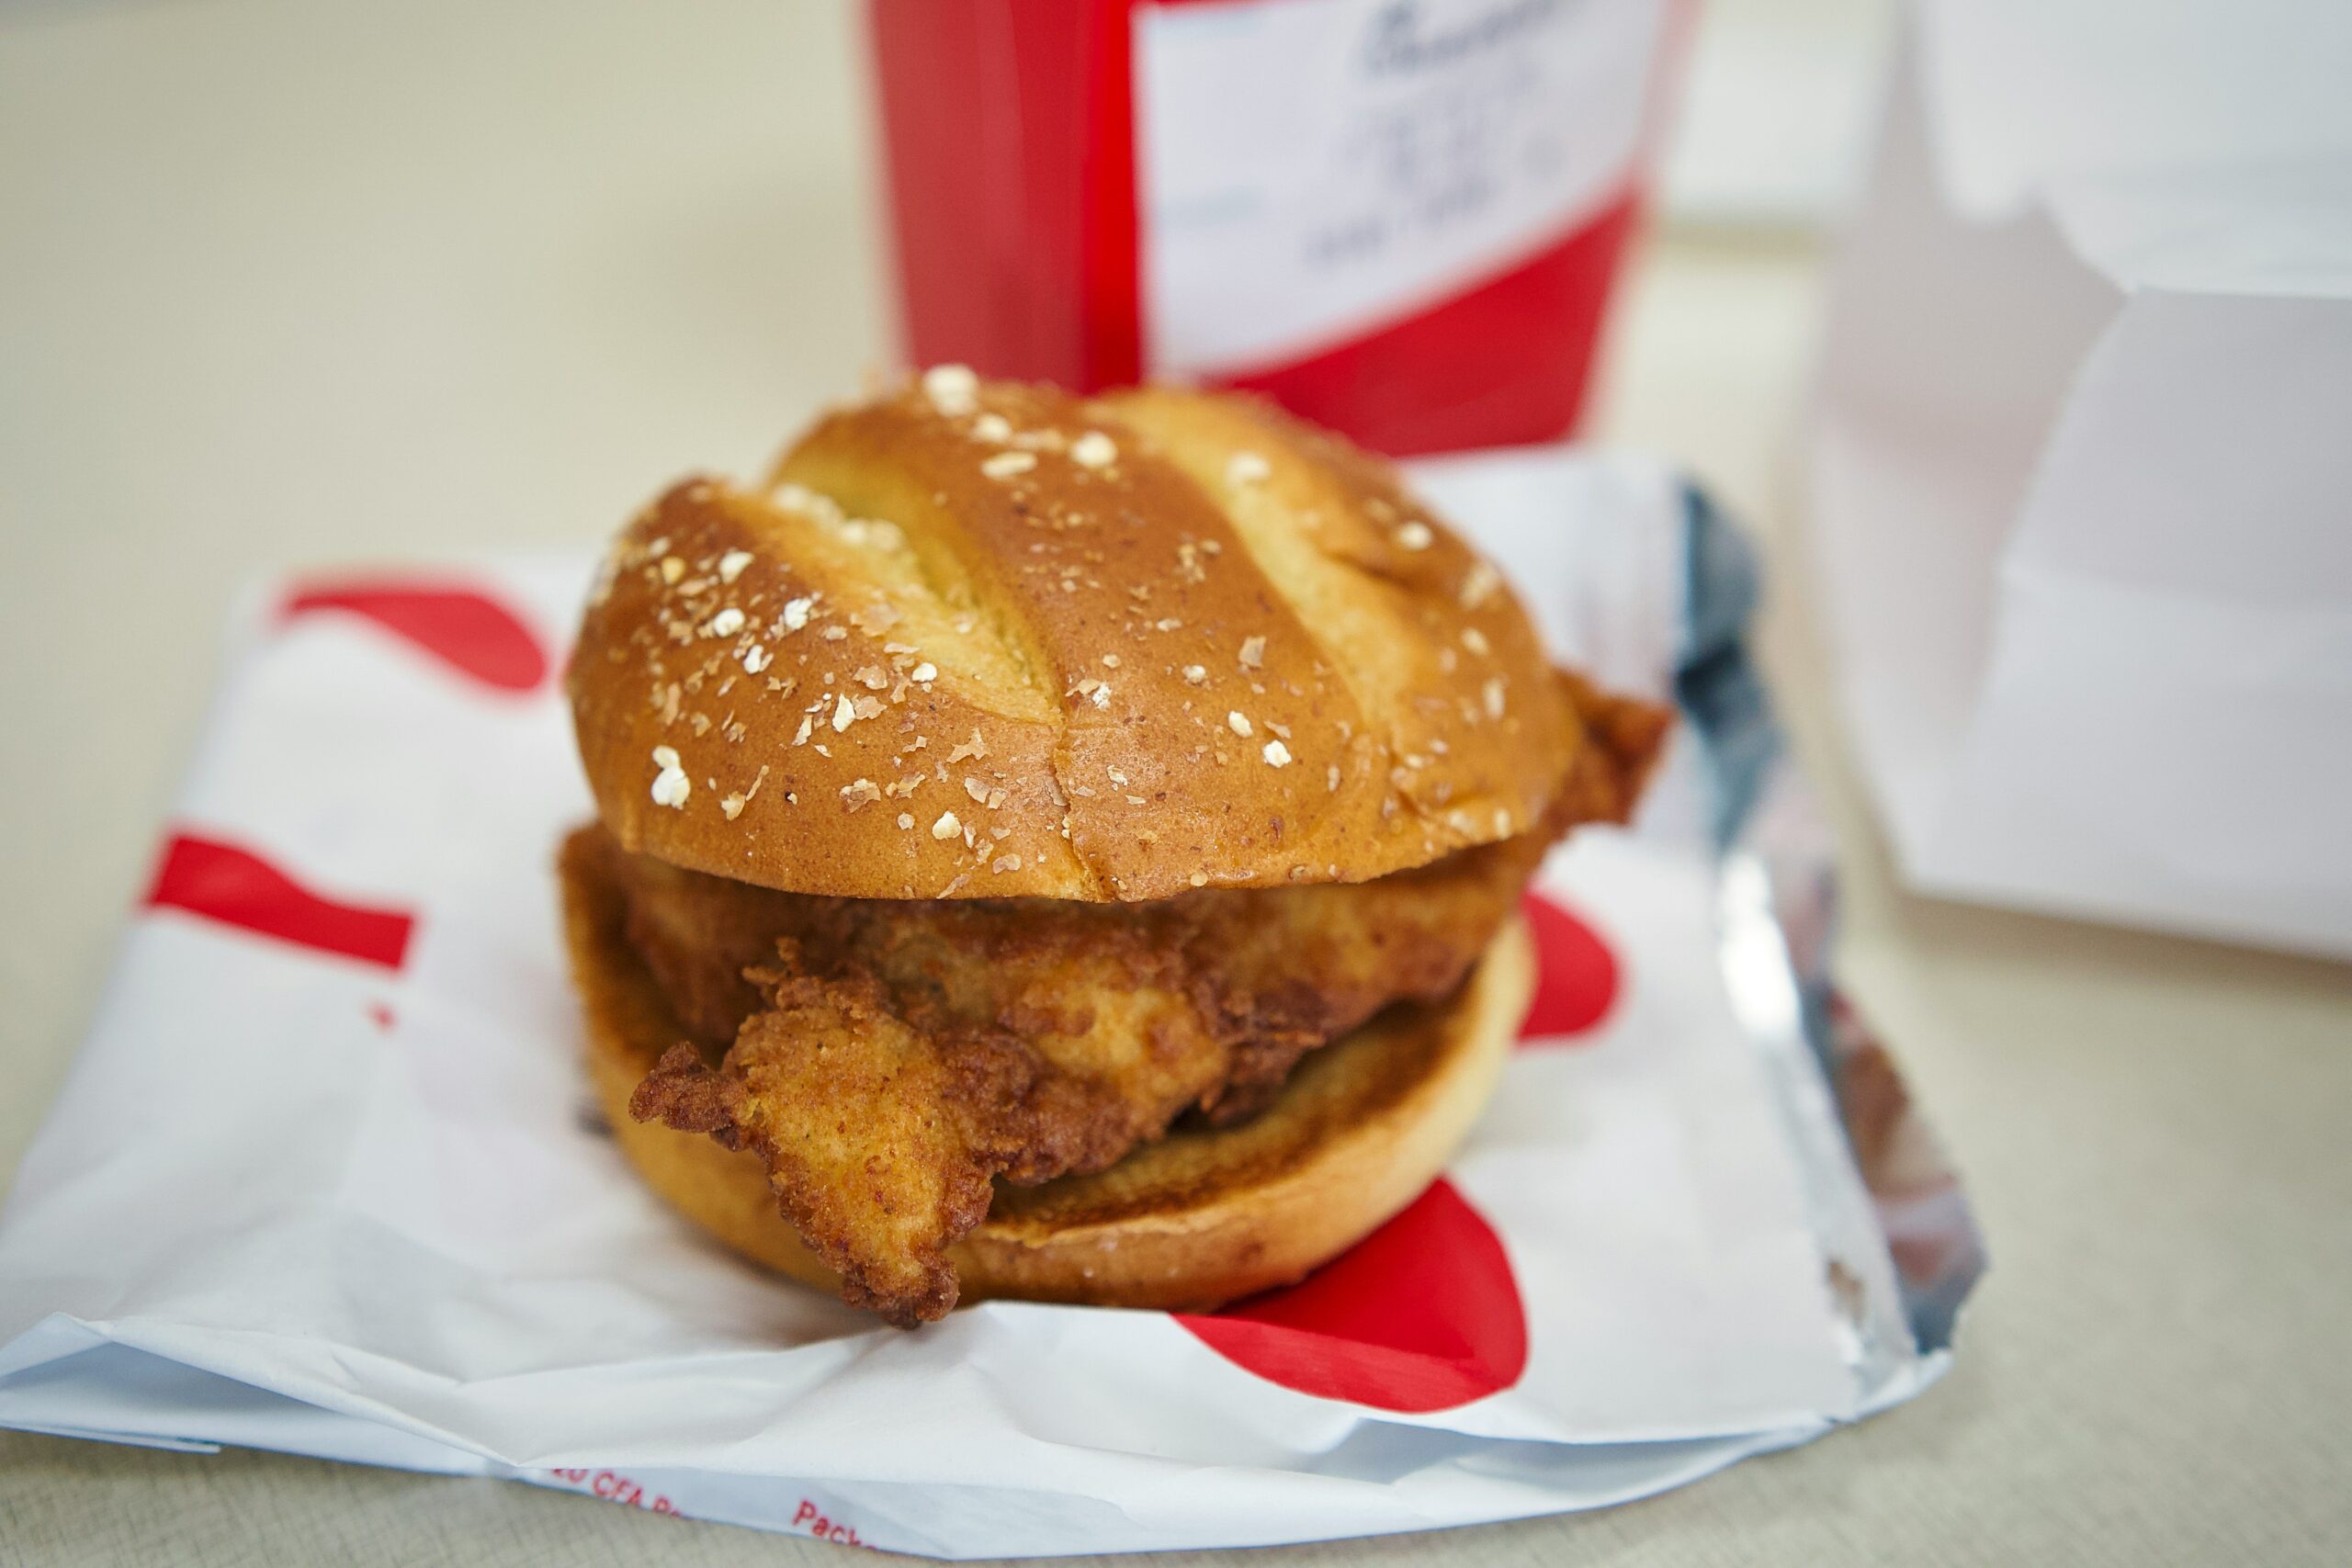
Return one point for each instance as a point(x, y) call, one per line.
point(1399, 218)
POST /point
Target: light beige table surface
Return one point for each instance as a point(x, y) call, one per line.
point(301, 282)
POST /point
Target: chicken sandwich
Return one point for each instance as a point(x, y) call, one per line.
point(1065, 849)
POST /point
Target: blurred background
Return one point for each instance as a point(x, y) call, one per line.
point(286, 282)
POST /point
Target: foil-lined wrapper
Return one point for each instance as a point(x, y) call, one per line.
point(317, 1181)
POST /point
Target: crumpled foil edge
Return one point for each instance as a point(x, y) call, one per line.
point(1901, 1245)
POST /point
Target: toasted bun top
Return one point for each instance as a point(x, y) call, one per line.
point(979, 640)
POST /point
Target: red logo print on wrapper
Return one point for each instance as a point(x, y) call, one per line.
point(1576, 977)
point(464, 629)
point(233, 887)
point(1422, 1314)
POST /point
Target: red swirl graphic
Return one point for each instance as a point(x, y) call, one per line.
point(465, 629)
point(1422, 1314)
point(234, 886)
point(1578, 976)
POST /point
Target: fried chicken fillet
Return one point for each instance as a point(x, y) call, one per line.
point(889, 1059)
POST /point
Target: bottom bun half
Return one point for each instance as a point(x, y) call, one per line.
point(1200, 1218)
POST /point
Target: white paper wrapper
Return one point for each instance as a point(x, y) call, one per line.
point(322, 1180)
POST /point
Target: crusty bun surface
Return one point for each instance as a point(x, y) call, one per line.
point(1190, 1222)
point(981, 639)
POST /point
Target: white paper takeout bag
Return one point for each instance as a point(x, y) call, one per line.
point(2082, 464)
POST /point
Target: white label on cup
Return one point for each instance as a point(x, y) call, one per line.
point(1310, 170)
